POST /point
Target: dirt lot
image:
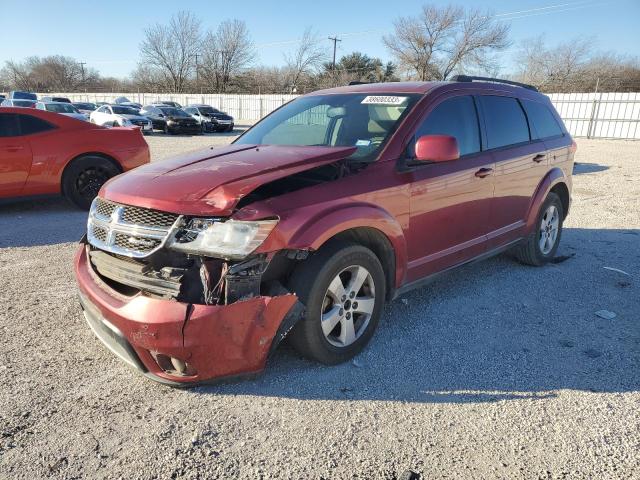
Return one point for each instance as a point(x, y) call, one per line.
point(496, 371)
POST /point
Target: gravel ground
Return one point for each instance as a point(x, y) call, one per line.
point(496, 371)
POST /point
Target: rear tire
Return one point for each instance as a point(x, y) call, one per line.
point(542, 244)
point(83, 178)
point(343, 289)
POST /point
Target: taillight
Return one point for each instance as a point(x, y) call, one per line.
point(573, 147)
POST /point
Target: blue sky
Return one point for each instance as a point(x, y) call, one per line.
point(106, 35)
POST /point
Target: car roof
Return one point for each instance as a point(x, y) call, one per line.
point(427, 87)
point(198, 105)
point(51, 102)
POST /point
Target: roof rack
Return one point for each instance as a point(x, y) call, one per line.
point(469, 78)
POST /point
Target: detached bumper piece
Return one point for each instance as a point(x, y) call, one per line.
point(172, 341)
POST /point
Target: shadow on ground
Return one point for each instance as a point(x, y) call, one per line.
point(581, 168)
point(492, 331)
point(40, 221)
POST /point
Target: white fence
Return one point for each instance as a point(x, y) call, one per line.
point(242, 107)
point(600, 115)
point(592, 115)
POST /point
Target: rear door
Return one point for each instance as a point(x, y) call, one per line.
point(520, 165)
point(450, 201)
point(15, 156)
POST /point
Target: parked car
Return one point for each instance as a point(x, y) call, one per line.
point(171, 119)
point(46, 153)
point(12, 102)
point(20, 95)
point(210, 119)
point(196, 268)
point(135, 105)
point(170, 103)
point(85, 107)
point(99, 104)
point(62, 108)
point(55, 99)
point(2, 97)
point(120, 116)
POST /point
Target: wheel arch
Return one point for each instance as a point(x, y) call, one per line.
point(366, 225)
point(554, 181)
point(68, 165)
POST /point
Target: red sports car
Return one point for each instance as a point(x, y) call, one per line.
point(46, 153)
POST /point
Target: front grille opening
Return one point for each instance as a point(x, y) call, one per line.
point(172, 365)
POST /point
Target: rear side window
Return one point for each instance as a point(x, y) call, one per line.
point(9, 125)
point(504, 120)
point(456, 117)
point(30, 125)
point(543, 122)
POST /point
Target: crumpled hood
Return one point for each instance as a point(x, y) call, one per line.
point(211, 182)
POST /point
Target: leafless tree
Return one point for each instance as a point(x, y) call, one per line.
point(49, 74)
point(445, 40)
point(225, 53)
point(554, 68)
point(170, 50)
point(305, 59)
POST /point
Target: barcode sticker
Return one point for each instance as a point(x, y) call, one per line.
point(383, 100)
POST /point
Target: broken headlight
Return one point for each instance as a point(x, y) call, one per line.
point(214, 238)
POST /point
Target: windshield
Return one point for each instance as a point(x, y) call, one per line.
point(119, 110)
point(61, 108)
point(208, 110)
point(360, 120)
point(85, 106)
point(25, 95)
point(22, 103)
point(174, 112)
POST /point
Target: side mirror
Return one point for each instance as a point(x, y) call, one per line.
point(437, 148)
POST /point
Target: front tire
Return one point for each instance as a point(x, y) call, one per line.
point(343, 289)
point(542, 244)
point(84, 177)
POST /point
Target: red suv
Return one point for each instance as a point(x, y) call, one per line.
point(196, 268)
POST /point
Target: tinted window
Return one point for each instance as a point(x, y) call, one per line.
point(456, 117)
point(24, 95)
point(8, 125)
point(504, 120)
point(540, 117)
point(30, 125)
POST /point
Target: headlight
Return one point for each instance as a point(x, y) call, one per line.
point(231, 239)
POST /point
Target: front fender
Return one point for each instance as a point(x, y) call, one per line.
point(317, 229)
point(551, 179)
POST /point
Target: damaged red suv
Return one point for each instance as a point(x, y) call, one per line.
point(194, 269)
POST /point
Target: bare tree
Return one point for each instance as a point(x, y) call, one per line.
point(445, 40)
point(226, 53)
point(52, 73)
point(171, 49)
point(553, 68)
point(305, 59)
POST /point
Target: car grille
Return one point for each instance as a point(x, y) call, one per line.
point(126, 230)
point(140, 123)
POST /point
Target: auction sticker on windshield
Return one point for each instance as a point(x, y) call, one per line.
point(383, 100)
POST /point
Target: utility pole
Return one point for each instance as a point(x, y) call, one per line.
point(335, 41)
point(82, 64)
point(197, 55)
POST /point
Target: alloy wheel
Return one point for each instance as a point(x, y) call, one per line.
point(347, 306)
point(549, 227)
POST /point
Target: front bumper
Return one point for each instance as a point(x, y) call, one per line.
point(214, 342)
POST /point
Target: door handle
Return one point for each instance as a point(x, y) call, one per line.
point(540, 157)
point(484, 172)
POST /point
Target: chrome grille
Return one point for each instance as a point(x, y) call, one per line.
point(129, 231)
point(99, 233)
point(132, 242)
point(149, 218)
